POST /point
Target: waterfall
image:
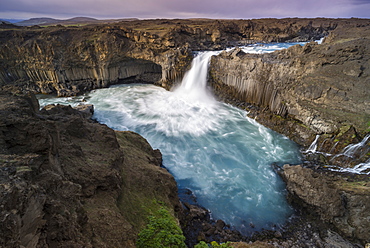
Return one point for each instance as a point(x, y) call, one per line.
point(313, 146)
point(352, 149)
point(194, 84)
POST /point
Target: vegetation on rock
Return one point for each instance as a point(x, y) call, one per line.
point(161, 231)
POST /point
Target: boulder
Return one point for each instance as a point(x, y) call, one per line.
point(343, 201)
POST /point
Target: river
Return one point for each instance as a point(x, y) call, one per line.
point(211, 148)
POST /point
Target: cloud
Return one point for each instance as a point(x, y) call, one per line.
point(184, 8)
point(361, 2)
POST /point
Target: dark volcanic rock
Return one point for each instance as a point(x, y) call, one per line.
point(198, 226)
point(304, 90)
point(73, 60)
point(66, 181)
point(341, 200)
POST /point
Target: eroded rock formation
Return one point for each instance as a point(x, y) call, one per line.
point(341, 200)
point(73, 60)
point(304, 90)
point(68, 181)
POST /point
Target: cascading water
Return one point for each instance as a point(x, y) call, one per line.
point(349, 153)
point(352, 149)
point(193, 86)
point(211, 148)
point(313, 146)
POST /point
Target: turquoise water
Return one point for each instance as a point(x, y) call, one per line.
point(211, 148)
point(215, 150)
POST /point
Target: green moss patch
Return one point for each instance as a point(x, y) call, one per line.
point(162, 230)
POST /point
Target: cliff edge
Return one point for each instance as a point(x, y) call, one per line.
point(68, 181)
point(304, 91)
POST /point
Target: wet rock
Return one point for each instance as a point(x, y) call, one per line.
point(198, 226)
point(303, 91)
point(220, 225)
point(336, 199)
point(86, 109)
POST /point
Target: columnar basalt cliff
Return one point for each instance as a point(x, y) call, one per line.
point(304, 90)
point(73, 60)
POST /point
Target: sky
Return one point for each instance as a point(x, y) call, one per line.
point(151, 9)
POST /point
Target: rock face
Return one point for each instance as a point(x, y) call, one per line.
point(341, 200)
point(68, 181)
point(69, 61)
point(314, 89)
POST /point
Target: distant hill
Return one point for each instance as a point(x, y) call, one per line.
point(7, 25)
point(4, 22)
point(12, 20)
point(73, 21)
point(37, 21)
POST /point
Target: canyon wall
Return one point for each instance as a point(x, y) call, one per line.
point(304, 90)
point(341, 201)
point(66, 180)
point(72, 60)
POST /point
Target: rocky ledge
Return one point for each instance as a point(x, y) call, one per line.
point(68, 181)
point(342, 201)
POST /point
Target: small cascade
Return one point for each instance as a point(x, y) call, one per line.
point(351, 153)
point(313, 146)
point(333, 147)
point(361, 168)
point(352, 149)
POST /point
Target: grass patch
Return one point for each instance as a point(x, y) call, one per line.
point(162, 230)
point(213, 244)
point(359, 187)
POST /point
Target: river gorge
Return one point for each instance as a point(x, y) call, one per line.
point(206, 124)
point(211, 148)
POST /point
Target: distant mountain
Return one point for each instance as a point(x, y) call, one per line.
point(73, 21)
point(81, 20)
point(38, 21)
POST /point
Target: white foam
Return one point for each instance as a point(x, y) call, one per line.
point(351, 149)
point(362, 168)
